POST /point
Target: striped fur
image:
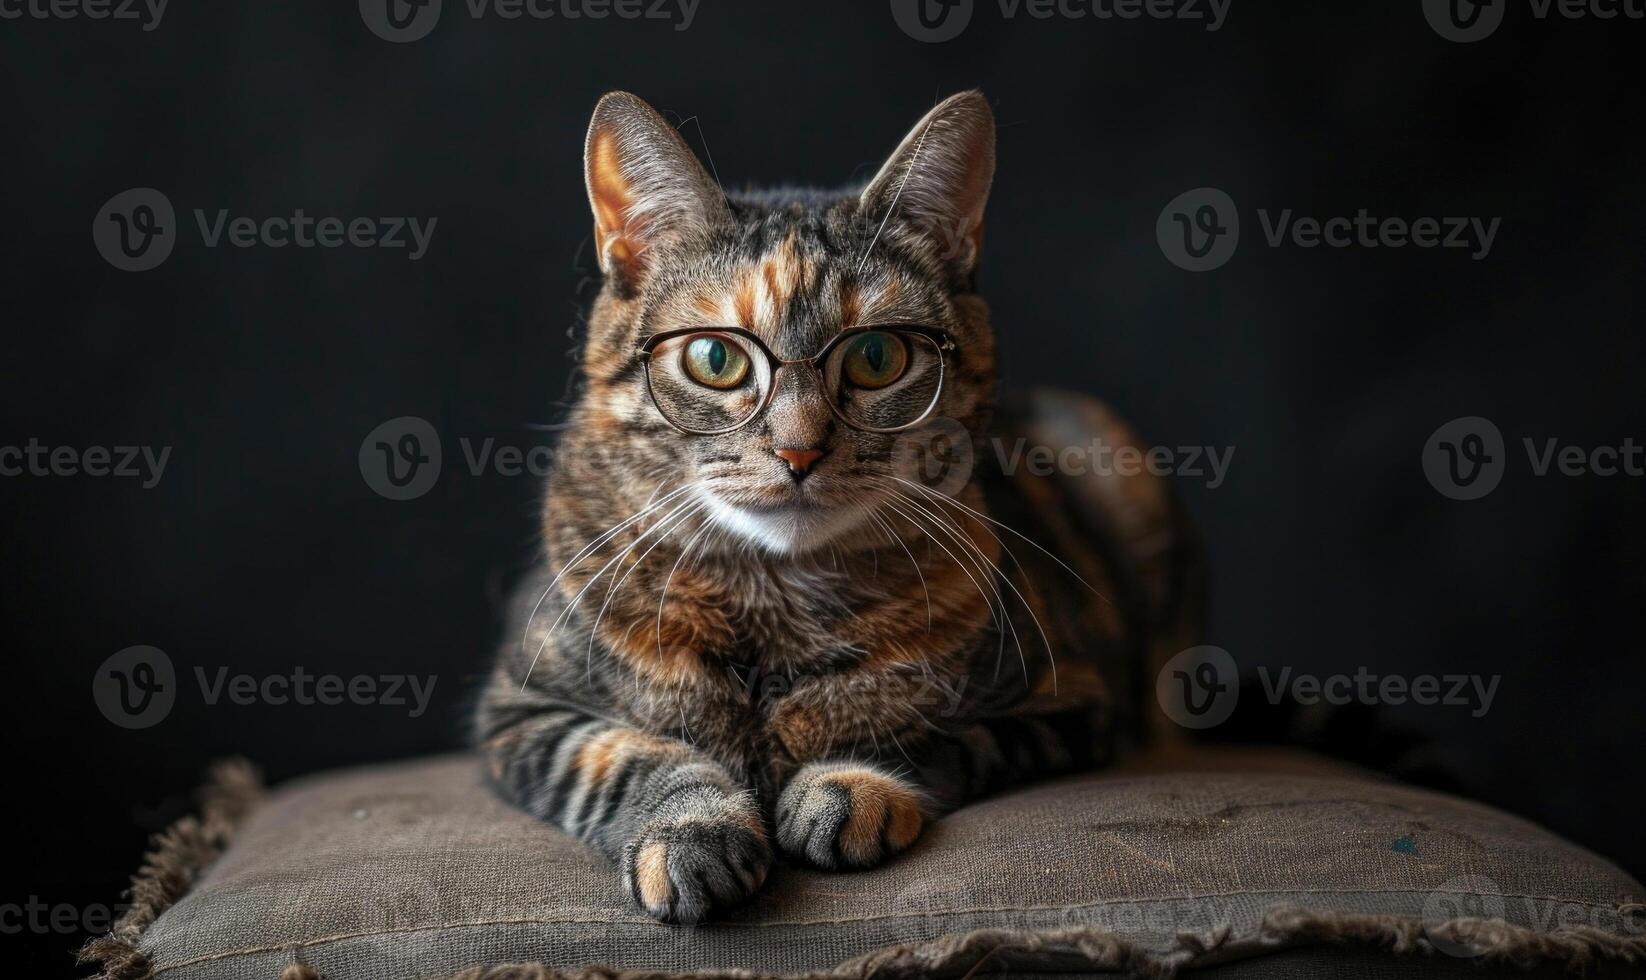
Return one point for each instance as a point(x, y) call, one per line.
point(714, 658)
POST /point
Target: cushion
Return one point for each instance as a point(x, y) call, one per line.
point(1242, 865)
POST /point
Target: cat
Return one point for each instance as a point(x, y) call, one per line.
point(764, 621)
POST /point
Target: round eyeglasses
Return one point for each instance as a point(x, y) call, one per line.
point(707, 381)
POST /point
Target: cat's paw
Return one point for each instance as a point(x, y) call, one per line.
point(681, 867)
point(846, 815)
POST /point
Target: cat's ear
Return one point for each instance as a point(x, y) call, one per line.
point(645, 186)
point(937, 182)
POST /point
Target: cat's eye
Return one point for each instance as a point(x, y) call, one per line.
point(715, 361)
point(875, 359)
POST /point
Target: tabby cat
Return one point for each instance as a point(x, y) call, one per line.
point(765, 620)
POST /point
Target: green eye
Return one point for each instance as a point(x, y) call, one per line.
point(876, 359)
point(715, 362)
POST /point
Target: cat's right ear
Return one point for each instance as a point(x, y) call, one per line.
point(645, 186)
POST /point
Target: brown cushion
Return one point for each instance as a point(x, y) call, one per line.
point(415, 869)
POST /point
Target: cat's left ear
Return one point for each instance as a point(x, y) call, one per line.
point(645, 186)
point(936, 184)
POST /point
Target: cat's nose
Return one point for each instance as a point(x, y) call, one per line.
point(800, 460)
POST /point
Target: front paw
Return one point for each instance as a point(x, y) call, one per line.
point(845, 815)
point(680, 867)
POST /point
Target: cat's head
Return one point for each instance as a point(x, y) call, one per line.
point(705, 293)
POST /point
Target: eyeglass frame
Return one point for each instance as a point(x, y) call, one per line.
point(940, 338)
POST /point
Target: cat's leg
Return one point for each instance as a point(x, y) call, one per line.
point(845, 813)
point(685, 835)
point(995, 754)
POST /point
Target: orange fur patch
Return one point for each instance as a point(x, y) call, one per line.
point(651, 875)
point(743, 302)
point(601, 754)
point(850, 305)
point(609, 196)
point(872, 796)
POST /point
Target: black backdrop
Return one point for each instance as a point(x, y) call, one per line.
point(263, 549)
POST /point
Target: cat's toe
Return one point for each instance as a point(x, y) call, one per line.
point(681, 871)
point(847, 816)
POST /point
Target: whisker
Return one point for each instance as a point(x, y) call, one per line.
point(963, 566)
point(618, 582)
point(900, 543)
point(1008, 527)
point(590, 548)
point(970, 548)
point(1027, 581)
point(891, 209)
point(579, 597)
point(664, 598)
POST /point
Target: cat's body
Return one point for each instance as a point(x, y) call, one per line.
point(781, 633)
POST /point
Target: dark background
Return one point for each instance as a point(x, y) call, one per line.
point(263, 549)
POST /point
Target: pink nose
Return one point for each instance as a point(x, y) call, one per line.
point(799, 460)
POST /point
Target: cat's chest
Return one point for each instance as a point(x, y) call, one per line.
point(781, 667)
point(788, 620)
